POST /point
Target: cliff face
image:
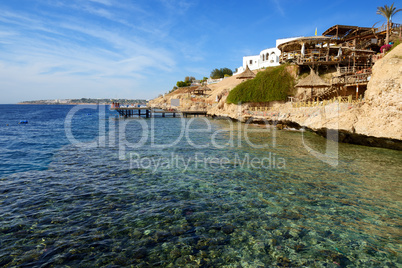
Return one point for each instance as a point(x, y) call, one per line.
point(188, 101)
point(381, 115)
point(376, 122)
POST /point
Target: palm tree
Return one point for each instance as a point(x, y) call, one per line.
point(387, 12)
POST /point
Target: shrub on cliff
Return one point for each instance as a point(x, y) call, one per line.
point(183, 83)
point(220, 73)
point(273, 84)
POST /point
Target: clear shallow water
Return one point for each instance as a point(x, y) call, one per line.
point(62, 204)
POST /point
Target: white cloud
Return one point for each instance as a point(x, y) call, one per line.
point(178, 6)
point(104, 2)
point(279, 7)
point(68, 59)
point(100, 12)
point(93, 46)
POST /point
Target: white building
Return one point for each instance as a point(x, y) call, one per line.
point(267, 58)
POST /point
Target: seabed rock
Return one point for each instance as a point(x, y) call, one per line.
point(359, 139)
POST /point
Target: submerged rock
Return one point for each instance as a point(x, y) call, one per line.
point(228, 229)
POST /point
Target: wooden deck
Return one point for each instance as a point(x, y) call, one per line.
point(350, 80)
point(132, 111)
point(356, 80)
point(194, 113)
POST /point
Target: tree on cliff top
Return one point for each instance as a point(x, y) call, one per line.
point(220, 73)
point(387, 12)
point(187, 81)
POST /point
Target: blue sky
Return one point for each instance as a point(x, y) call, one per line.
point(57, 49)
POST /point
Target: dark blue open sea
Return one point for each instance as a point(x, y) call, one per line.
point(80, 187)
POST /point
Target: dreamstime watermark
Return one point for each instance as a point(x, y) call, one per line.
point(119, 134)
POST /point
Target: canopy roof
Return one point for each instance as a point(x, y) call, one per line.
point(297, 43)
point(247, 74)
point(312, 80)
point(343, 31)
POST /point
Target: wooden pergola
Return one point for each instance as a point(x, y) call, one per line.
point(344, 31)
point(312, 50)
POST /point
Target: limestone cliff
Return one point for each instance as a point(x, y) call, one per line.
point(379, 116)
point(377, 121)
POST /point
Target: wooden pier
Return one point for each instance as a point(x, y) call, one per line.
point(194, 113)
point(151, 112)
point(132, 111)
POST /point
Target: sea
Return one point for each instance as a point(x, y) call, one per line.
point(82, 187)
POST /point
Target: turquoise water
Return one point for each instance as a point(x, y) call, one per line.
point(207, 199)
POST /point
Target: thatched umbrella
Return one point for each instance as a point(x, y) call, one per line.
point(201, 90)
point(312, 81)
point(205, 88)
point(247, 74)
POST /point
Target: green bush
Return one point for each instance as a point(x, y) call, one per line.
point(396, 43)
point(220, 73)
point(273, 84)
point(183, 83)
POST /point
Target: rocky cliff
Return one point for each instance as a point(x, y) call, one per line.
point(377, 121)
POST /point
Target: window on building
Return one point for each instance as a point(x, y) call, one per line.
point(273, 57)
point(251, 61)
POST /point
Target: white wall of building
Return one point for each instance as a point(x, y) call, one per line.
point(251, 61)
point(267, 58)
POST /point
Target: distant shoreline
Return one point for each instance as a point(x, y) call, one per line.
point(71, 103)
point(84, 101)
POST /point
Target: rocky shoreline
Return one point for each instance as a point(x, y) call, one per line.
point(343, 136)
